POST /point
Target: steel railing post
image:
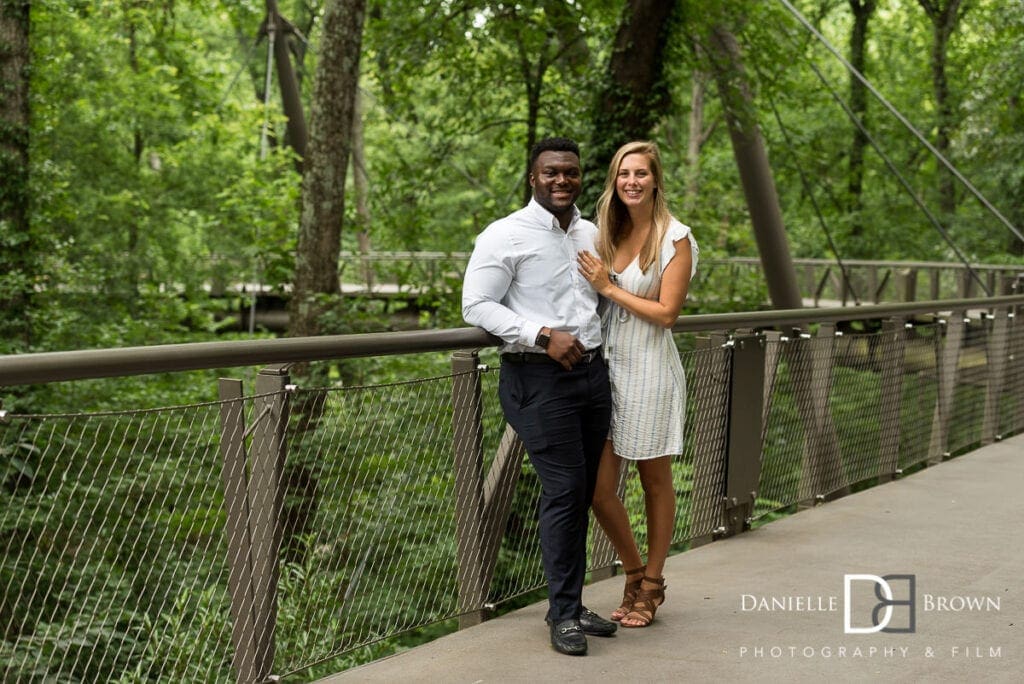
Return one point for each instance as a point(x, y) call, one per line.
point(966, 284)
point(909, 277)
point(239, 542)
point(467, 444)
point(995, 372)
point(947, 358)
point(743, 452)
point(891, 369)
point(266, 498)
point(772, 352)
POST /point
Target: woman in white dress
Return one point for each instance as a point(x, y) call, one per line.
point(644, 264)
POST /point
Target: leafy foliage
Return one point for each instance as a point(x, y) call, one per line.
point(151, 185)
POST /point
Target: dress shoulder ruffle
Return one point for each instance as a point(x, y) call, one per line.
point(677, 231)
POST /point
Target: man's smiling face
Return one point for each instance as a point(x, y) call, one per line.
point(556, 181)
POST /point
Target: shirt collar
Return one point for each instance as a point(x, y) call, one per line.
point(548, 219)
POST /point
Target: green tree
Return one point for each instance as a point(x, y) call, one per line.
point(862, 11)
point(326, 164)
point(944, 16)
point(634, 94)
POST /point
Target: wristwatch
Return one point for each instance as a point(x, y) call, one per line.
point(543, 338)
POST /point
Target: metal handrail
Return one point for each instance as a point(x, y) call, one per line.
point(440, 256)
point(25, 369)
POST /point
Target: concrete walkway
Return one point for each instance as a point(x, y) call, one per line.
point(768, 605)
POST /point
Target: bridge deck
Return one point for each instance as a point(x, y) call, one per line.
point(956, 527)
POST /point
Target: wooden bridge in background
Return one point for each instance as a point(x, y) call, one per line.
point(423, 281)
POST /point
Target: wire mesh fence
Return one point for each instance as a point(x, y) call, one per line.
point(919, 392)
point(382, 558)
point(369, 526)
point(126, 536)
point(113, 547)
point(1011, 399)
point(699, 472)
point(839, 401)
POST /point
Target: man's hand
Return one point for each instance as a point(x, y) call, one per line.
point(565, 349)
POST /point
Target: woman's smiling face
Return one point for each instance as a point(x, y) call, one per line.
point(634, 183)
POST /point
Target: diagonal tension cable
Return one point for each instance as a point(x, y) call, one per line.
point(899, 176)
point(902, 119)
point(814, 200)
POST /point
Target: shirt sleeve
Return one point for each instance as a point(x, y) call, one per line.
point(489, 274)
point(676, 232)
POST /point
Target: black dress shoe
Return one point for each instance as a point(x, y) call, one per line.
point(595, 625)
point(567, 637)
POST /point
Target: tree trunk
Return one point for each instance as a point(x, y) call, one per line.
point(326, 163)
point(754, 169)
point(944, 18)
point(563, 41)
point(635, 93)
point(862, 11)
point(16, 249)
point(694, 141)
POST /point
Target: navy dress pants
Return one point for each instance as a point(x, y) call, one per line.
point(562, 417)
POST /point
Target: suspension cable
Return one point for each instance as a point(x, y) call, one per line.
point(817, 210)
point(267, 84)
point(264, 149)
point(234, 79)
point(903, 181)
point(902, 119)
point(814, 201)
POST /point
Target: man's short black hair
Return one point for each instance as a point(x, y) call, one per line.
point(552, 145)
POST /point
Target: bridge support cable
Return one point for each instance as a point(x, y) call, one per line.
point(902, 180)
point(903, 120)
point(271, 32)
point(814, 202)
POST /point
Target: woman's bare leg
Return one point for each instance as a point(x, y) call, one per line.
point(660, 505)
point(611, 515)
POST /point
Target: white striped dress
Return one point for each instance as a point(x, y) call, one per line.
point(648, 384)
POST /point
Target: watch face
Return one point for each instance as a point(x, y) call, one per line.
point(543, 340)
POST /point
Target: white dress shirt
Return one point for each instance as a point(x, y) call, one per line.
point(522, 277)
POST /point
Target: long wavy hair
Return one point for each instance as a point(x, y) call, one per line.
point(612, 215)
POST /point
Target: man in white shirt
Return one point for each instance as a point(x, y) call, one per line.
point(522, 285)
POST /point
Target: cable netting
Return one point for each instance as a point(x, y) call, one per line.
point(113, 547)
point(122, 552)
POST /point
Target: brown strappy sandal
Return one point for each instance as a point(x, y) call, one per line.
point(629, 593)
point(646, 603)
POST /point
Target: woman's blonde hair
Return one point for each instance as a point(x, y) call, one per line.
point(612, 214)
